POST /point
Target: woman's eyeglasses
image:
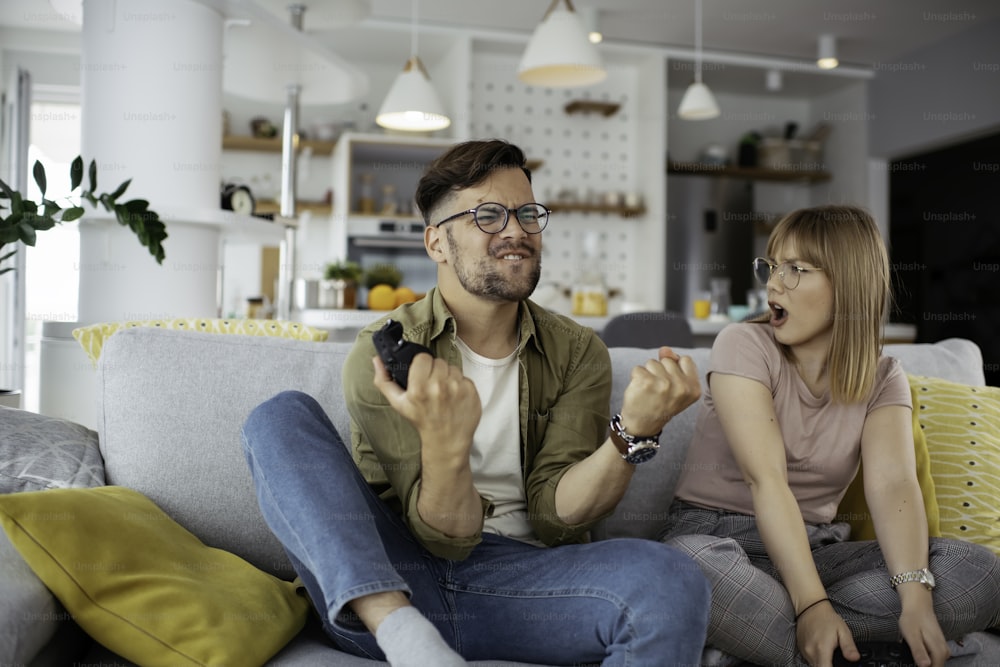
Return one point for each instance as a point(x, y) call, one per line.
point(789, 274)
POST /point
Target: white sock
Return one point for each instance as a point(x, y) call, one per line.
point(408, 639)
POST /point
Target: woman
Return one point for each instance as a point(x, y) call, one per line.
point(796, 401)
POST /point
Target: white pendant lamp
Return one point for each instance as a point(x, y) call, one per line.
point(559, 53)
point(412, 104)
point(698, 102)
point(826, 57)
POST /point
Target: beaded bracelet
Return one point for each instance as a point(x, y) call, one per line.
point(799, 615)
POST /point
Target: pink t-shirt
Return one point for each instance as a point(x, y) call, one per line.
point(822, 438)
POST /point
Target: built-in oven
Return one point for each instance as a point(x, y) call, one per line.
point(400, 242)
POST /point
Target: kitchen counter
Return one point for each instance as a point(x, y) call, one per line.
point(345, 324)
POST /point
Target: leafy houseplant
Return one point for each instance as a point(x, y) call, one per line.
point(21, 218)
point(339, 289)
point(347, 270)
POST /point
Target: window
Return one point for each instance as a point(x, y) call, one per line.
point(52, 275)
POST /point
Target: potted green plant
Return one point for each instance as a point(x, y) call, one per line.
point(339, 287)
point(22, 218)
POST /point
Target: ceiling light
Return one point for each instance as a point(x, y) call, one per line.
point(559, 53)
point(590, 22)
point(773, 80)
point(698, 102)
point(412, 104)
point(827, 54)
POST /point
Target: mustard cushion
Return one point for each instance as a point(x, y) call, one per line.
point(854, 508)
point(962, 426)
point(143, 586)
point(92, 337)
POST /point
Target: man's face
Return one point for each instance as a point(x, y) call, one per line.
point(501, 267)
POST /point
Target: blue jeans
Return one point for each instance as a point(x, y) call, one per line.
point(624, 602)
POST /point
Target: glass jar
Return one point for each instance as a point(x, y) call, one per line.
point(366, 194)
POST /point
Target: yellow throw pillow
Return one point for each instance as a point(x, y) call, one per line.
point(146, 588)
point(854, 508)
point(962, 426)
point(92, 337)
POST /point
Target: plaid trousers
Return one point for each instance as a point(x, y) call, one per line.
point(752, 617)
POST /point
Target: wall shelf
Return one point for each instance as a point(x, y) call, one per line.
point(269, 206)
point(749, 173)
point(590, 106)
point(236, 142)
point(623, 211)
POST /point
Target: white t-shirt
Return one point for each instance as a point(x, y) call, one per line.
point(496, 445)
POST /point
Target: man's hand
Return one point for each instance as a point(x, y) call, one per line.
point(657, 391)
point(441, 403)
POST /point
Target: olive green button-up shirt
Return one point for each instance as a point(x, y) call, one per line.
point(564, 391)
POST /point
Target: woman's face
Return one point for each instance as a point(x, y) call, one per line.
point(802, 316)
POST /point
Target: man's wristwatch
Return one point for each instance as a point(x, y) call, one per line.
point(635, 449)
point(924, 576)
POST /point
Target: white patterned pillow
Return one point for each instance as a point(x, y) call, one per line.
point(39, 452)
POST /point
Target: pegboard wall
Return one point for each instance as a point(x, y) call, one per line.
point(585, 156)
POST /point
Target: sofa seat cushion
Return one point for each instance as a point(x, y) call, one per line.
point(171, 405)
point(146, 588)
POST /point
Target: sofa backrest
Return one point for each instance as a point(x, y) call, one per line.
point(171, 404)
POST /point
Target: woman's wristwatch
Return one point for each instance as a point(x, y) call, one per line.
point(922, 575)
point(635, 449)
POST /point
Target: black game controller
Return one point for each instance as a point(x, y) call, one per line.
point(877, 654)
point(396, 353)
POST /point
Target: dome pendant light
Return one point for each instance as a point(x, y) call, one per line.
point(412, 104)
point(698, 102)
point(559, 53)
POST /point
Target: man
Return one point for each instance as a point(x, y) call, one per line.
point(456, 530)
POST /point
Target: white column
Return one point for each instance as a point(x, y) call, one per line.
point(151, 79)
point(152, 111)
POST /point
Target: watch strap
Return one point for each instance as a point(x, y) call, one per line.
point(920, 575)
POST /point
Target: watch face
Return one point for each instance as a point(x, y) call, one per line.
point(641, 453)
point(242, 201)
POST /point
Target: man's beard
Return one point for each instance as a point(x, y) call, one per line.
point(482, 278)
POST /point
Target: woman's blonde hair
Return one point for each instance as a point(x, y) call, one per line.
point(845, 242)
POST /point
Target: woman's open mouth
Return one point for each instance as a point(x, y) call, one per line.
point(778, 315)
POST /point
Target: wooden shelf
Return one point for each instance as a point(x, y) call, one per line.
point(749, 173)
point(235, 142)
point(272, 207)
point(623, 211)
point(590, 106)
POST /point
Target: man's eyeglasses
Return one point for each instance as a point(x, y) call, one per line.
point(492, 218)
point(788, 273)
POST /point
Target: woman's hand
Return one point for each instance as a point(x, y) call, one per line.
point(819, 631)
point(922, 632)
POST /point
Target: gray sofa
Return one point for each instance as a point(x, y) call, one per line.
point(170, 405)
